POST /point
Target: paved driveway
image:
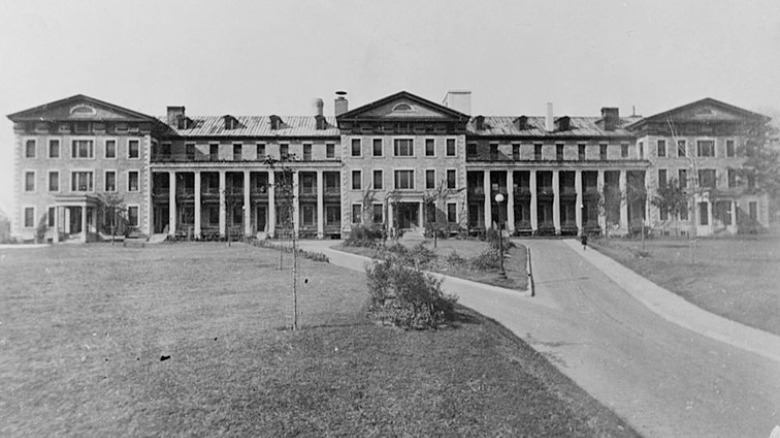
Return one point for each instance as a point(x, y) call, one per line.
point(666, 380)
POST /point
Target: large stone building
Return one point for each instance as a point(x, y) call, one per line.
point(401, 162)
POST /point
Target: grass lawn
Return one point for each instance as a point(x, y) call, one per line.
point(514, 263)
point(733, 277)
point(83, 330)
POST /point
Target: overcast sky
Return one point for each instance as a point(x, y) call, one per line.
point(258, 57)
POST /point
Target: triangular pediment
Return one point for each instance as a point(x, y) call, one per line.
point(77, 108)
point(403, 106)
point(704, 111)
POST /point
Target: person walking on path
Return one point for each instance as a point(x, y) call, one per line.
point(584, 240)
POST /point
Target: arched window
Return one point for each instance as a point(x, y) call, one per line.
point(402, 107)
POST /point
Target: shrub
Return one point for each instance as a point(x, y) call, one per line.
point(407, 297)
point(420, 256)
point(494, 241)
point(366, 236)
point(488, 260)
point(455, 259)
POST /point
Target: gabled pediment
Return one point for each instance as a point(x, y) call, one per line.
point(77, 108)
point(403, 106)
point(704, 111)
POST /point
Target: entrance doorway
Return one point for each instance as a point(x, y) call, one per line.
point(161, 218)
point(74, 221)
point(408, 214)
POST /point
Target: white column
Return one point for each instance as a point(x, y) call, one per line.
point(247, 206)
point(56, 235)
point(510, 201)
point(320, 206)
point(84, 230)
point(534, 206)
point(197, 205)
point(623, 184)
point(710, 208)
point(222, 213)
point(421, 213)
point(172, 203)
point(488, 201)
point(296, 208)
point(390, 217)
point(579, 200)
point(602, 218)
point(271, 203)
point(556, 201)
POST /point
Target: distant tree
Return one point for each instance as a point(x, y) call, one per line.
point(762, 164)
point(114, 209)
point(436, 200)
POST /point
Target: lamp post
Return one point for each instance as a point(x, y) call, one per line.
point(499, 199)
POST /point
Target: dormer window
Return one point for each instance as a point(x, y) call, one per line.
point(231, 122)
point(186, 122)
point(276, 122)
point(563, 123)
point(521, 123)
point(480, 122)
point(321, 122)
point(402, 107)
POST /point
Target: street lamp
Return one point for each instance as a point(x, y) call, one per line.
point(499, 199)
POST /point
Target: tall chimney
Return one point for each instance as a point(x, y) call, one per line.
point(174, 114)
point(318, 105)
point(459, 100)
point(549, 126)
point(341, 104)
point(611, 117)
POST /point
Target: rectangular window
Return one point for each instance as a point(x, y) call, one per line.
point(403, 147)
point(682, 148)
point(29, 181)
point(189, 150)
point(753, 210)
point(378, 214)
point(732, 176)
point(661, 148)
point(54, 148)
point(430, 179)
point(450, 147)
point(641, 150)
point(704, 213)
point(133, 148)
point(451, 178)
point(452, 213)
point(356, 213)
point(284, 151)
point(307, 152)
point(81, 182)
point(623, 150)
point(377, 147)
point(261, 151)
point(683, 178)
point(730, 152)
point(707, 178)
point(82, 149)
point(29, 217)
point(430, 147)
point(404, 179)
point(214, 152)
point(308, 212)
point(705, 148)
point(237, 151)
point(751, 180)
point(493, 152)
point(132, 215)
point(378, 180)
point(356, 147)
point(537, 152)
point(516, 152)
point(52, 216)
point(330, 150)
point(661, 178)
point(603, 152)
point(54, 181)
point(110, 185)
point(471, 149)
point(684, 213)
point(109, 149)
point(29, 149)
point(559, 152)
point(332, 214)
point(581, 152)
point(664, 213)
point(356, 183)
point(132, 181)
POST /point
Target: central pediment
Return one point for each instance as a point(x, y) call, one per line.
point(706, 111)
point(79, 108)
point(404, 106)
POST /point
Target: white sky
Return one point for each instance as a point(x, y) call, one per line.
point(264, 57)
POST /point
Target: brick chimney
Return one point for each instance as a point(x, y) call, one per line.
point(341, 105)
point(549, 123)
point(174, 114)
point(611, 118)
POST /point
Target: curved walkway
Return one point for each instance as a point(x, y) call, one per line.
point(663, 378)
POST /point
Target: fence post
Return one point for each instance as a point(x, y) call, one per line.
point(530, 271)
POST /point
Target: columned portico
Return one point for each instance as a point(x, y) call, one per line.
point(510, 201)
point(271, 203)
point(602, 218)
point(488, 201)
point(247, 210)
point(197, 218)
point(534, 206)
point(172, 203)
point(578, 202)
point(320, 206)
point(556, 186)
point(623, 186)
point(222, 213)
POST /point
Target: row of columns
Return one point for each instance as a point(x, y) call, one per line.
point(62, 221)
point(622, 183)
point(247, 210)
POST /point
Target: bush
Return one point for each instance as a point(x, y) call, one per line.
point(407, 297)
point(366, 236)
point(455, 259)
point(494, 241)
point(488, 260)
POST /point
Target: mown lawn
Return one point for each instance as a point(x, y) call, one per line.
point(84, 329)
point(514, 263)
point(737, 278)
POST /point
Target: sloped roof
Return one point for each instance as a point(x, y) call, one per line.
point(256, 126)
point(63, 110)
point(706, 102)
point(402, 96)
point(505, 126)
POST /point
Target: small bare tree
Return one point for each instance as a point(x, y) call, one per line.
point(437, 198)
point(114, 207)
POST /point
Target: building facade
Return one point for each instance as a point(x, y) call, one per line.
point(399, 163)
